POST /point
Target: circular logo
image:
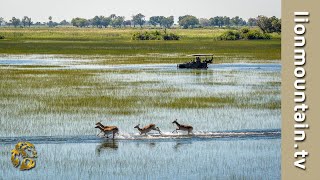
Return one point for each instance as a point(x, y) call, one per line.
point(23, 155)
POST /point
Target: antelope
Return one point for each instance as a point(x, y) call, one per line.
point(147, 128)
point(182, 127)
point(103, 126)
point(107, 129)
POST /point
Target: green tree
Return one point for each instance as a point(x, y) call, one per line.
point(96, 21)
point(160, 20)
point(167, 22)
point(105, 21)
point(235, 21)
point(264, 23)
point(15, 21)
point(64, 23)
point(220, 21)
point(1, 20)
point(242, 22)
point(29, 21)
point(80, 22)
point(276, 24)
point(75, 21)
point(204, 22)
point(138, 19)
point(116, 21)
point(154, 20)
point(127, 23)
point(217, 21)
point(252, 22)
point(226, 21)
point(24, 21)
point(83, 22)
point(188, 21)
point(112, 16)
point(50, 23)
point(213, 21)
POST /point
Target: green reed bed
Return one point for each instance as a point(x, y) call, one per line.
point(197, 102)
point(71, 101)
point(73, 91)
point(101, 34)
point(114, 46)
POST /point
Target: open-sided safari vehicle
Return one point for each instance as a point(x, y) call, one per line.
point(197, 63)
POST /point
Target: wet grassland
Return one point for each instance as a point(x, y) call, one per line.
point(71, 99)
point(60, 81)
point(114, 46)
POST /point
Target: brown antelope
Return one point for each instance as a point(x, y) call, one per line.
point(147, 128)
point(103, 126)
point(182, 127)
point(107, 129)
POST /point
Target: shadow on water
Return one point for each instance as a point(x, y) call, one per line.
point(106, 146)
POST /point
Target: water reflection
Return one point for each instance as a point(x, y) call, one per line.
point(169, 159)
point(152, 144)
point(181, 144)
point(177, 145)
point(109, 145)
point(195, 72)
point(142, 144)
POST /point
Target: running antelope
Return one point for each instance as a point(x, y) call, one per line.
point(182, 127)
point(147, 128)
point(103, 126)
point(107, 129)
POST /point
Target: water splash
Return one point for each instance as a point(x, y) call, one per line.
point(197, 135)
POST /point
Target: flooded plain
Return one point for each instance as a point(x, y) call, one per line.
point(55, 103)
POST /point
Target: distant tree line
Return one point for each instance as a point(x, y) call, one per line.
point(119, 21)
point(266, 24)
point(27, 22)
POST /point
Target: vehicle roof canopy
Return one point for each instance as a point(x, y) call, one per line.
point(201, 55)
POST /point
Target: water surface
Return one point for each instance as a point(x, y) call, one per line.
point(55, 103)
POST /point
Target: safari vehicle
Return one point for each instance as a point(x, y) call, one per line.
point(197, 63)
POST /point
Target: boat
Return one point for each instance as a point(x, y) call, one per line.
point(197, 63)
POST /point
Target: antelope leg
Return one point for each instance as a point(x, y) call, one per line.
point(158, 129)
point(175, 131)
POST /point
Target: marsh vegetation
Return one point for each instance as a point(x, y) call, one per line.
point(78, 95)
point(114, 46)
point(58, 82)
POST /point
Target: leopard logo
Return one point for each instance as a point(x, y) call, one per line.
point(24, 156)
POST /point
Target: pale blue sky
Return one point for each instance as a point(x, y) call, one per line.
point(40, 10)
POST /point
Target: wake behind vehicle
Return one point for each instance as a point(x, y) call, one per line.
point(197, 63)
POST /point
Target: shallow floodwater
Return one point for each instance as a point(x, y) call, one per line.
point(224, 158)
point(233, 107)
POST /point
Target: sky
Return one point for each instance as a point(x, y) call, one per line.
point(40, 10)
